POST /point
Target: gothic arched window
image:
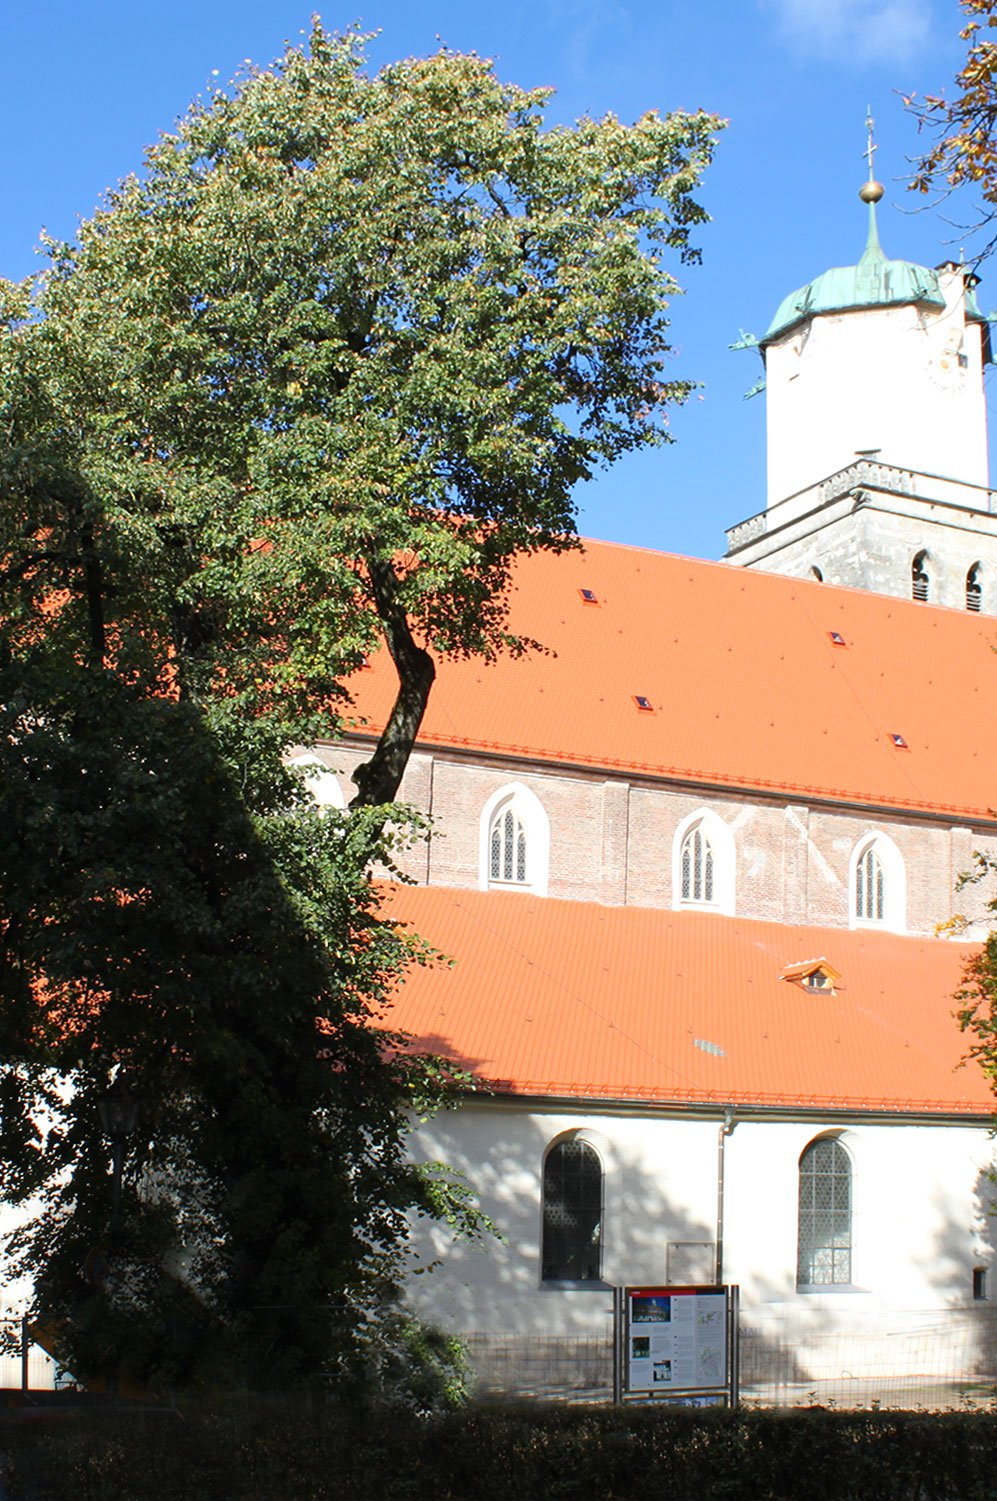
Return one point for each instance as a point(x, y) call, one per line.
point(824, 1247)
point(507, 847)
point(974, 587)
point(870, 887)
point(322, 783)
point(572, 1213)
point(515, 841)
point(878, 885)
point(703, 861)
point(697, 863)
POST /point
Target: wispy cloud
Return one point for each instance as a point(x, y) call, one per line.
point(857, 32)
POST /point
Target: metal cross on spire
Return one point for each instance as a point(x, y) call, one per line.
point(872, 191)
point(870, 148)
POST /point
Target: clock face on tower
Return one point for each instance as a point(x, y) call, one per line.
point(948, 368)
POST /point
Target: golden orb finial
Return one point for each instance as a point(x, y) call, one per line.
point(871, 191)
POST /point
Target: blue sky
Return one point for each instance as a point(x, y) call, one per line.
point(88, 85)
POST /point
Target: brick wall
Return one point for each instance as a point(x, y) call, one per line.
point(611, 841)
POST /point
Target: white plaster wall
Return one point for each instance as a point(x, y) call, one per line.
point(881, 379)
point(920, 1225)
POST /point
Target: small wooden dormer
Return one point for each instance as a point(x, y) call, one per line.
point(815, 975)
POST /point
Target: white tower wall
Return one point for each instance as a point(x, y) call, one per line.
point(903, 382)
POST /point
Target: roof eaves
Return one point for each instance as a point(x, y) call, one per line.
point(719, 780)
point(534, 1089)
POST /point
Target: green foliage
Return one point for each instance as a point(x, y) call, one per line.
point(228, 964)
point(310, 384)
point(977, 998)
point(339, 356)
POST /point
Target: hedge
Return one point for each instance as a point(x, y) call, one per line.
point(255, 1450)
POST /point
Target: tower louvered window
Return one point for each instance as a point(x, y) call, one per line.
point(825, 1235)
point(507, 847)
point(870, 887)
point(919, 582)
point(572, 1213)
point(697, 867)
point(974, 588)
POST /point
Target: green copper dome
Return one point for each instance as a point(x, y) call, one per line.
point(874, 282)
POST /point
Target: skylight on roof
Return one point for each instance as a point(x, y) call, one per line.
point(644, 704)
point(589, 596)
point(899, 741)
point(837, 639)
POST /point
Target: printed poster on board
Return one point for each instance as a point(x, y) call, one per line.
point(676, 1339)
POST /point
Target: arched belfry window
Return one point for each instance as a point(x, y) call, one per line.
point(824, 1247)
point(920, 582)
point(514, 841)
point(877, 885)
point(703, 863)
point(572, 1213)
point(974, 587)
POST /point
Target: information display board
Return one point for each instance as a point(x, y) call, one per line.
point(676, 1343)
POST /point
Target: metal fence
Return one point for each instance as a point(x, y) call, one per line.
point(924, 1359)
point(933, 1359)
point(24, 1365)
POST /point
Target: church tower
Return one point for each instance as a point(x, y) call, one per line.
point(877, 433)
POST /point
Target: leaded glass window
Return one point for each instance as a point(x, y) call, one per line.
point(507, 847)
point(825, 1243)
point(572, 1213)
point(697, 867)
point(870, 887)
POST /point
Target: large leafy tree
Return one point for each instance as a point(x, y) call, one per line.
point(385, 324)
point(308, 385)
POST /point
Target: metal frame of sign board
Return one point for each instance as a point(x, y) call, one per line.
point(676, 1345)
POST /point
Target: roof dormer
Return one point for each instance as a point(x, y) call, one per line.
point(815, 975)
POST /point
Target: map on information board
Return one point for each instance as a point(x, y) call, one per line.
point(675, 1339)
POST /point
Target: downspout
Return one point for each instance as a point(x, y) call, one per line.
point(726, 1129)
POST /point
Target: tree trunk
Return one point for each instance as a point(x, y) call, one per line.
point(378, 779)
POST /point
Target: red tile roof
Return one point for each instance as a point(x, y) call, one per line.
point(746, 686)
point(572, 1001)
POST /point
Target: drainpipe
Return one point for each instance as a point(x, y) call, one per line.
point(726, 1129)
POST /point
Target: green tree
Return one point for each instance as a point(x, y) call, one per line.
point(385, 323)
point(308, 385)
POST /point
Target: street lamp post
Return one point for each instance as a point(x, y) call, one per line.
point(119, 1117)
point(119, 1111)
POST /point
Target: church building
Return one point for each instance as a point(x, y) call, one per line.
point(698, 865)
